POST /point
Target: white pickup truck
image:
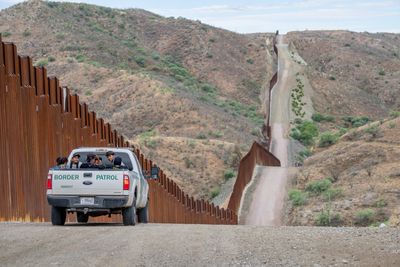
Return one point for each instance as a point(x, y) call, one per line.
point(99, 191)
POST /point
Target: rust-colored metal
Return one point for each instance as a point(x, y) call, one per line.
point(39, 121)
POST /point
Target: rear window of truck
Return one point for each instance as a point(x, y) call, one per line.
point(124, 156)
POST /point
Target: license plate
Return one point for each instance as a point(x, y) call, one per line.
point(87, 200)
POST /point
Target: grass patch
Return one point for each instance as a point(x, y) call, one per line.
point(42, 63)
point(318, 117)
point(327, 139)
point(394, 114)
point(319, 186)
point(332, 194)
point(51, 59)
point(365, 217)
point(6, 34)
point(326, 218)
point(201, 136)
point(215, 192)
point(297, 197)
point(356, 121)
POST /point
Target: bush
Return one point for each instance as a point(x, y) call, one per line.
point(88, 92)
point(201, 136)
point(208, 88)
point(318, 117)
point(229, 174)
point(394, 114)
point(319, 186)
point(26, 33)
point(325, 218)
point(332, 78)
point(382, 73)
point(372, 130)
point(365, 217)
point(250, 61)
point(332, 193)
point(327, 139)
point(305, 133)
point(356, 121)
point(141, 61)
point(42, 63)
point(297, 197)
point(6, 34)
point(51, 59)
point(80, 58)
point(215, 192)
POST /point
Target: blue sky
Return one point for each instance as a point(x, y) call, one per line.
point(270, 15)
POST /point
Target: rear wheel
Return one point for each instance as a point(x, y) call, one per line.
point(82, 217)
point(129, 214)
point(143, 214)
point(58, 215)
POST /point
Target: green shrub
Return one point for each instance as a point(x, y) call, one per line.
point(365, 217)
point(318, 117)
point(42, 63)
point(382, 72)
point(318, 186)
point(51, 59)
point(201, 136)
point(381, 203)
point(250, 61)
point(60, 36)
point(372, 130)
point(332, 193)
point(208, 88)
point(394, 114)
point(211, 40)
point(88, 92)
point(6, 34)
point(141, 61)
point(327, 139)
point(297, 197)
point(332, 78)
point(155, 56)
point(228, 174)
point(305, 132)
point(325, 218)
point(80, 58)
point(26, 33)
point(215, 192)
point(356, 121)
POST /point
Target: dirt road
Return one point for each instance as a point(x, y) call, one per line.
point(195, 245)
point(268, 198)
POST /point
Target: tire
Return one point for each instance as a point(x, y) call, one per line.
point(82, 217)
point(58, 216)
point(143, 214)
point(129, 214)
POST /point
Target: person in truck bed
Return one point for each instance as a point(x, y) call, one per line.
point(61, 163)
point(75, 163)
point(90, 160)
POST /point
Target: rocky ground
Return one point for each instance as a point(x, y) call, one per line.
point(196, 245)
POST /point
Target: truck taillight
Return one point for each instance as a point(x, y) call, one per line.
point(49, 181)
point(126, 182)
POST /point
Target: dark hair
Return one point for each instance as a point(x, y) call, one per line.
point(117, 161)
point(108, 153)
point(76, 155)
point(61, 160)
point(89, 157)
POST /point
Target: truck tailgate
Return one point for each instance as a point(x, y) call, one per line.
point(87, 182)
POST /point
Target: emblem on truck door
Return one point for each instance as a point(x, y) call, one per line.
point(87, 182)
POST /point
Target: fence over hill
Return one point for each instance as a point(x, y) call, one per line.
point(41, 120)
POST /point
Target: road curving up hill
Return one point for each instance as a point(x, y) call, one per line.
point(196, 245)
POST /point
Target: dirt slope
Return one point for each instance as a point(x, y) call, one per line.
point(152, 77)
point(352, 73)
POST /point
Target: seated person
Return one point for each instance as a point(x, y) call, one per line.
point(90, 160)
point(75, 163)
point(118, 164)
point(61, 163)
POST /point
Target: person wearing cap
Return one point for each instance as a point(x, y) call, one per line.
point(90, 160)
point(75, 163)
point(110, 157)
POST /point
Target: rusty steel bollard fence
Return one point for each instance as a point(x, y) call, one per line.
point(40, 120)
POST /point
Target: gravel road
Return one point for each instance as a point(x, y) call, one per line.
point(23, 244)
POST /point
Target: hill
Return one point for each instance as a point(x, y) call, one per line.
point(157, 80)
point(355, 74)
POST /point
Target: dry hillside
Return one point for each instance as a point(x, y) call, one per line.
point(165, 83)
point(353, 182)
point(351, 73)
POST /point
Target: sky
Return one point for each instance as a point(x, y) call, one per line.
point(270, 15)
